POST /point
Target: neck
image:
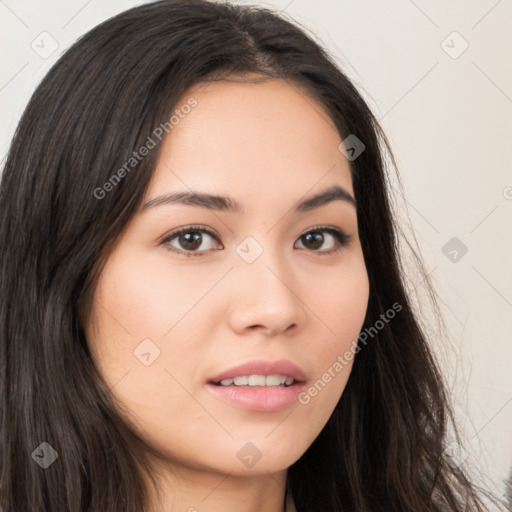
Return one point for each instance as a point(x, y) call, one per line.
point(187, 490)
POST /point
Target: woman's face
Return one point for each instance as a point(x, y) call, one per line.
point(270, 285)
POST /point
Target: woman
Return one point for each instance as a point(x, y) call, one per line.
point(198, 251)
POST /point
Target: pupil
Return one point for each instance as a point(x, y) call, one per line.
point(317, 239)
point(191, 240)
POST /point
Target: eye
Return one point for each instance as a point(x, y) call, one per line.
point(191, 240)
point(314, 238)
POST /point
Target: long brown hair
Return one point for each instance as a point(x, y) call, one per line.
point(384, 448)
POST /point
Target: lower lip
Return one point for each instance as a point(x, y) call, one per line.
point(258, 398)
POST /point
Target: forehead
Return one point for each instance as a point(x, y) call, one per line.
point(248, 140)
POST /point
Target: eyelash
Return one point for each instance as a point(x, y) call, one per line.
point(341, 238)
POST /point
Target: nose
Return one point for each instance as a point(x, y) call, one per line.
point(266, 298)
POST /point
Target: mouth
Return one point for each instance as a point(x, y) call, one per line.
point(269, 381)
point(264, 386)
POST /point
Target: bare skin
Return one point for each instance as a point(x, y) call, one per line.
point(268, 146)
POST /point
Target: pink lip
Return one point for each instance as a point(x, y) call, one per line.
point(256, 398)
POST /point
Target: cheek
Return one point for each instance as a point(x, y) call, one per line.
point(350, 297)
point(146, 297)
point(341, 303)
point(143, 332)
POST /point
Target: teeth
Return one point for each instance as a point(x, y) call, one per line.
point(274, 380)
point(259, 380)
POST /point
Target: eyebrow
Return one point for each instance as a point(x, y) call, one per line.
point(228, 204)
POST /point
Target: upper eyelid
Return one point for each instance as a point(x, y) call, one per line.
point(190, 228)
point(214, 234)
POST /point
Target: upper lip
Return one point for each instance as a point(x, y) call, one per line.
point(263, 367)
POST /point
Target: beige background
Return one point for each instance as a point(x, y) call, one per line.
point(448, 114)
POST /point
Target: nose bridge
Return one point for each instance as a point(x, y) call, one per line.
point(266, 293)
point(263, 262)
